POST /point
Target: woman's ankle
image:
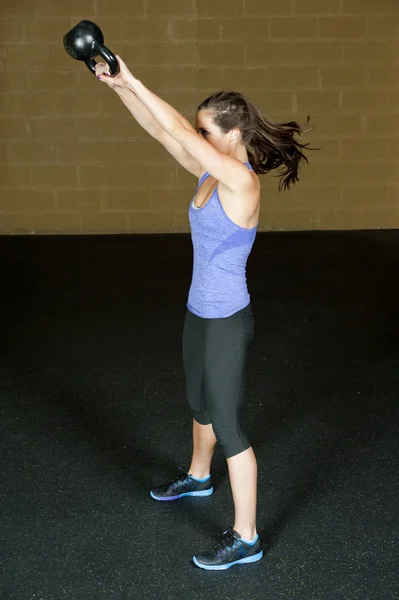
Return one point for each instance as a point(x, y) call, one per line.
point(199, 473)
point(247, 532)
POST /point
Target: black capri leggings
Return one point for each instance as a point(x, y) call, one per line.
point(214, 360)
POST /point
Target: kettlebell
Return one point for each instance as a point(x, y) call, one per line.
point(86, 41)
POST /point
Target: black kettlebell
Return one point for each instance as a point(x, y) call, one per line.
point(86, 41)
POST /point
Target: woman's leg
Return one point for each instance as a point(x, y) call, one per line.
point(226, 362)
point(226, 345)
point(243, 472)
point(204, 441)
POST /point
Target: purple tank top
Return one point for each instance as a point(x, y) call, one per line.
point(221, 249)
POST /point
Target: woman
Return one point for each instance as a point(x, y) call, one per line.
point(231, 145)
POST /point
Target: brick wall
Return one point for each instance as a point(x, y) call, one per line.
point(73, 160)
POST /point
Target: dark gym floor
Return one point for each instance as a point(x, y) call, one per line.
point(93, 415)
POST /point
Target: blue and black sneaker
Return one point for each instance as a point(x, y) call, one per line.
point(184, 485)
point(232, 550)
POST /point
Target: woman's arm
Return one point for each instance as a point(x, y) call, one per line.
point(226, 169)
point(139, 112)
point(146, 119)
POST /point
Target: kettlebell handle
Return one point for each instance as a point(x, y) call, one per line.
point(107, 55)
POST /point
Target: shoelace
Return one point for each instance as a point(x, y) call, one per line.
point(183, 478)
point(229, 542)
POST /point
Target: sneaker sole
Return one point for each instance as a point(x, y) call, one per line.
point(169, 498)
point(242, 561)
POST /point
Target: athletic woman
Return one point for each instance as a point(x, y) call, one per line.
point(231, 145)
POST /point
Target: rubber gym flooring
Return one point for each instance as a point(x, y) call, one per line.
point(93, 415)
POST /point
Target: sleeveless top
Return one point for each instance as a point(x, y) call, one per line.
point(221, 249)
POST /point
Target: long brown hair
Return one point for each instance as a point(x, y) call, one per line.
point(269, 145)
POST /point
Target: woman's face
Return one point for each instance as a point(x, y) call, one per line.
point(212, 133)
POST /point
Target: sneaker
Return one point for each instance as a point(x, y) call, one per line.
point(184, 485)
point(232, 550)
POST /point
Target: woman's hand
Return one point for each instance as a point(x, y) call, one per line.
point(123, 80)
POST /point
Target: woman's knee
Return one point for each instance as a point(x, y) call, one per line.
point(201, 417)
point(232, 441)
